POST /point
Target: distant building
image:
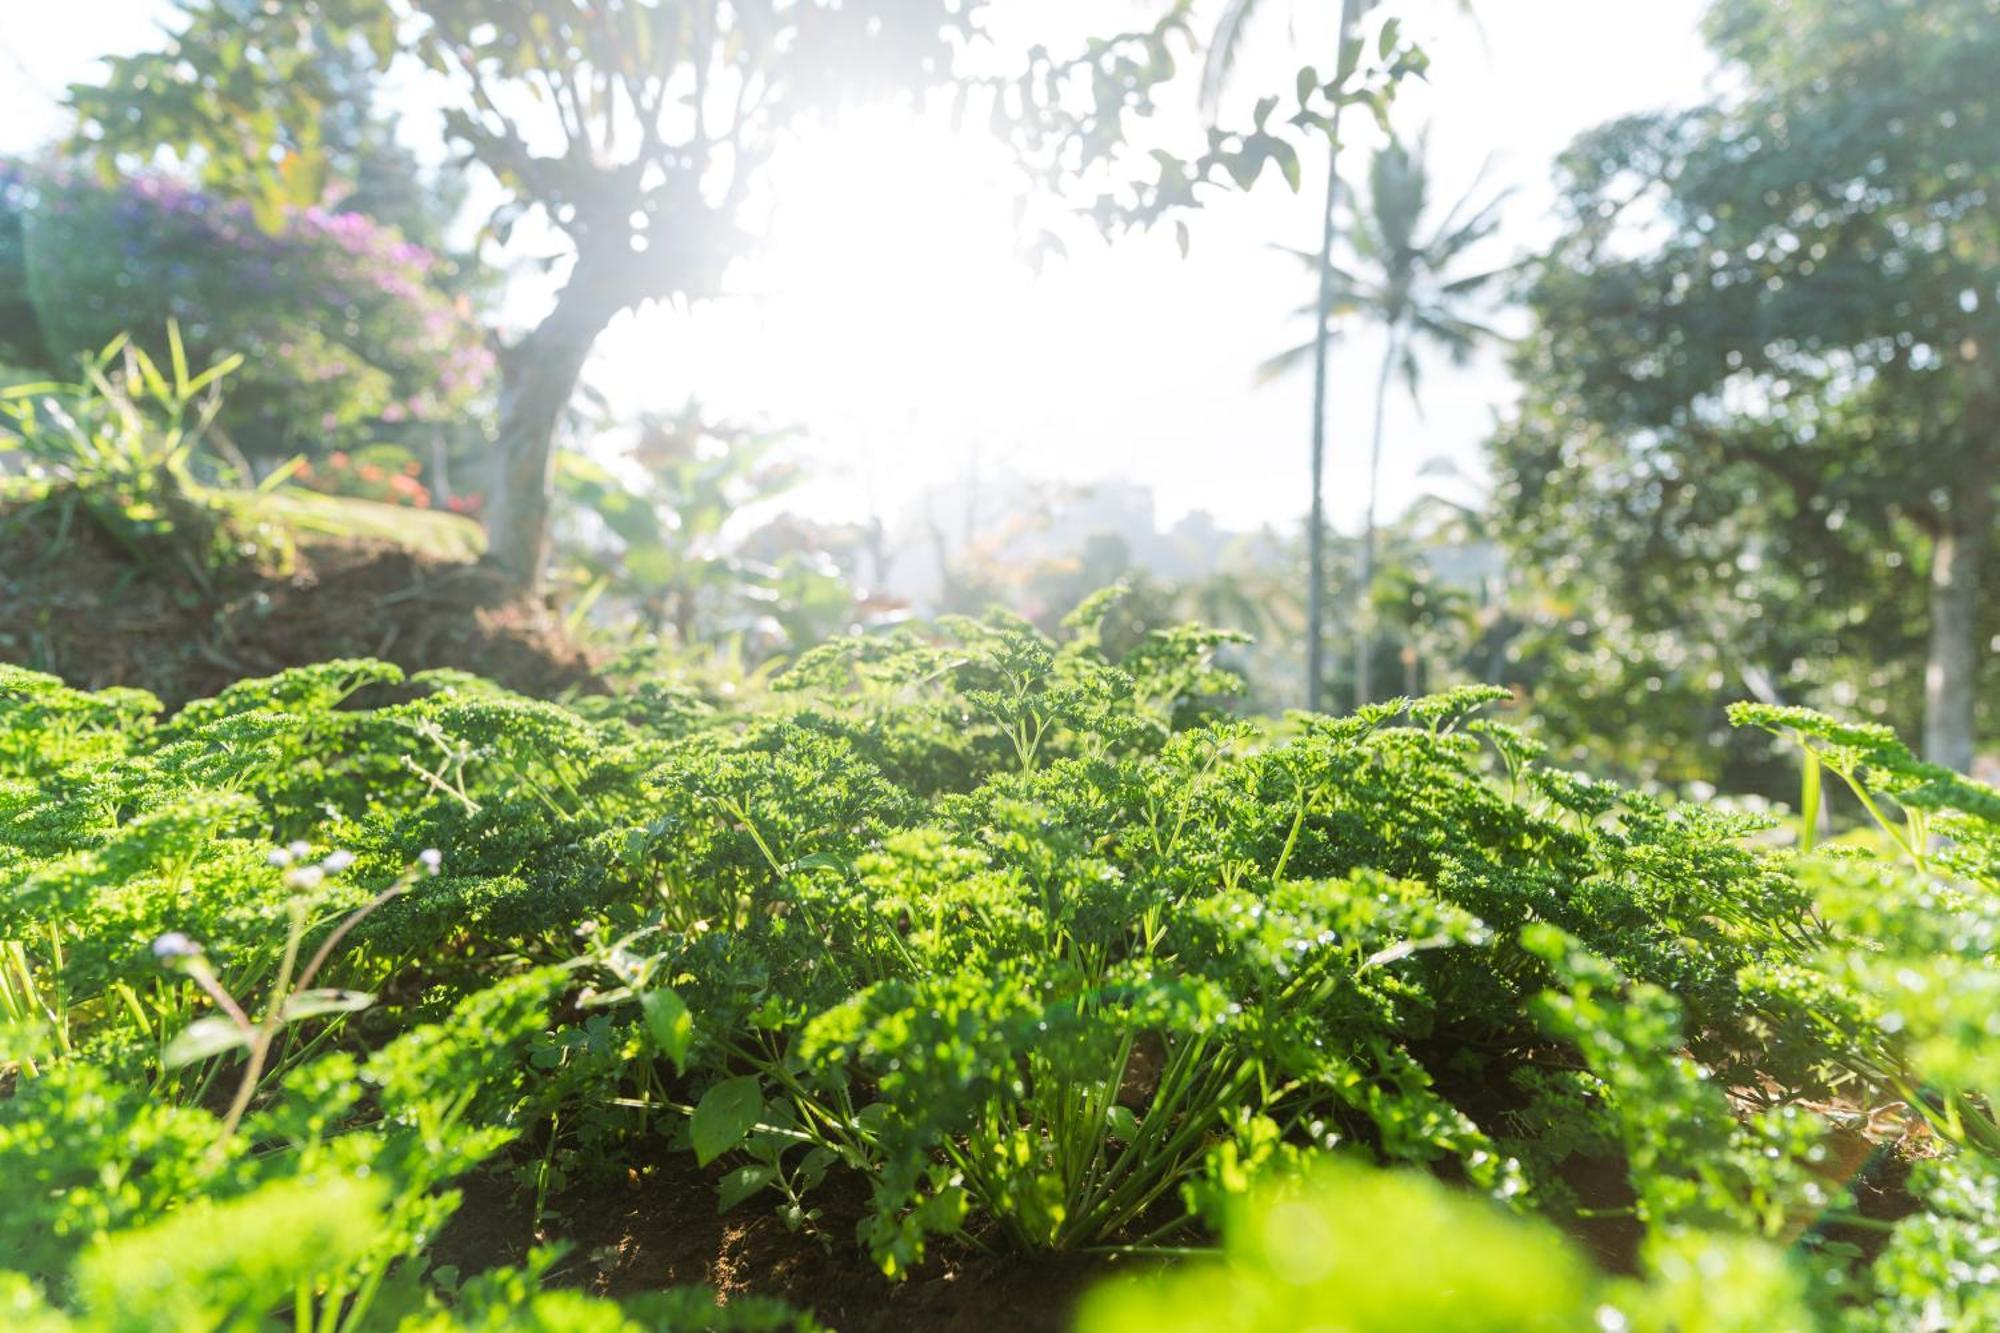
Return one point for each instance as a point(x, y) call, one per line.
point(1008, 520)
point(994, 530)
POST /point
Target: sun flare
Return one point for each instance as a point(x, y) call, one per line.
point(892, 261)
point(889, 292)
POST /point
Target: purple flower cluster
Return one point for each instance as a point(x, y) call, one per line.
point(343, 319)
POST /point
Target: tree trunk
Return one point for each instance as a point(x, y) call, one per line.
point(1951, 672)
point(684, 617)
point(1364, 607)
point(1350, 19)
point(538, 375)
point(440, 474)
point(1316, 517)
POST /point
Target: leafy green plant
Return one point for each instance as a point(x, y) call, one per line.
point(1903, 995)
point(119, 441)
point(980, 941)
point(293, 999)
point(1393, 1251)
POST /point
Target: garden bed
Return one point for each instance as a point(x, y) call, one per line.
point(956, 974)
point(75, 603)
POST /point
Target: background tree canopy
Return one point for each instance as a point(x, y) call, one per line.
point(1762, 383)
point(633, 133)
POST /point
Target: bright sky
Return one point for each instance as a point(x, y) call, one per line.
point(890, 319)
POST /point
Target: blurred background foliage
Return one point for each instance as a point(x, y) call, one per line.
point(1752, 456)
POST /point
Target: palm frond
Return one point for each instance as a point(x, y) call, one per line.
point(1450, 221)
point(1413, 375)
point(1223, 50)
point(1473, 282)
point(1396, 272)
point(1308, 258)
point(1449, 243)
point(1285, 362)
point(1456, 336)
point(1398, 189)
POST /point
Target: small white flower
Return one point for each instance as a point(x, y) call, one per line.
point(172, 945)
point(278, 856)
point(299, 847)
point(305, 877)
point(336, 862)
point(431, 858)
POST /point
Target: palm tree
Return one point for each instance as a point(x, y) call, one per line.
point(1222, 53)
point(1406, 278)
point(1224, 46)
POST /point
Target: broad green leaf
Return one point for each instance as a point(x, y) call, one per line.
point(1287, 158)
point(725, 1114)
point(873, 1117)
point(814, 1168)
point(741, 1183)
point(1350, 60)
point(313, 1003)
point(669, 1024)
point(203, 1038)
point(1391, 30)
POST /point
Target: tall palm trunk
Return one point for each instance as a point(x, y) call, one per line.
point(1350, 18)
point(1316, 520)
point(1951, 671)
point(1364, 601)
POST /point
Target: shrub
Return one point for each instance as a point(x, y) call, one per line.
point(342, 323)
point(1022, 939)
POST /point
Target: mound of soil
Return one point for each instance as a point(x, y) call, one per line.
point(79, 606)
point(660, 1228)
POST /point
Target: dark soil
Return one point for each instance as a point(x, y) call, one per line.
point(80, 606)
point(661, 1229)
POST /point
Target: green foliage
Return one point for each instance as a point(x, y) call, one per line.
point(119, 447)
point(1691, 1161)
point(1755, 390)
point(575, 117)
point(1019, 941)
point(1904, 994)
point(340, 325)
point(1391, 1251)
point(1406, 270)
point(191, 1271)
point(670, 559)
point(1938, 1266)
